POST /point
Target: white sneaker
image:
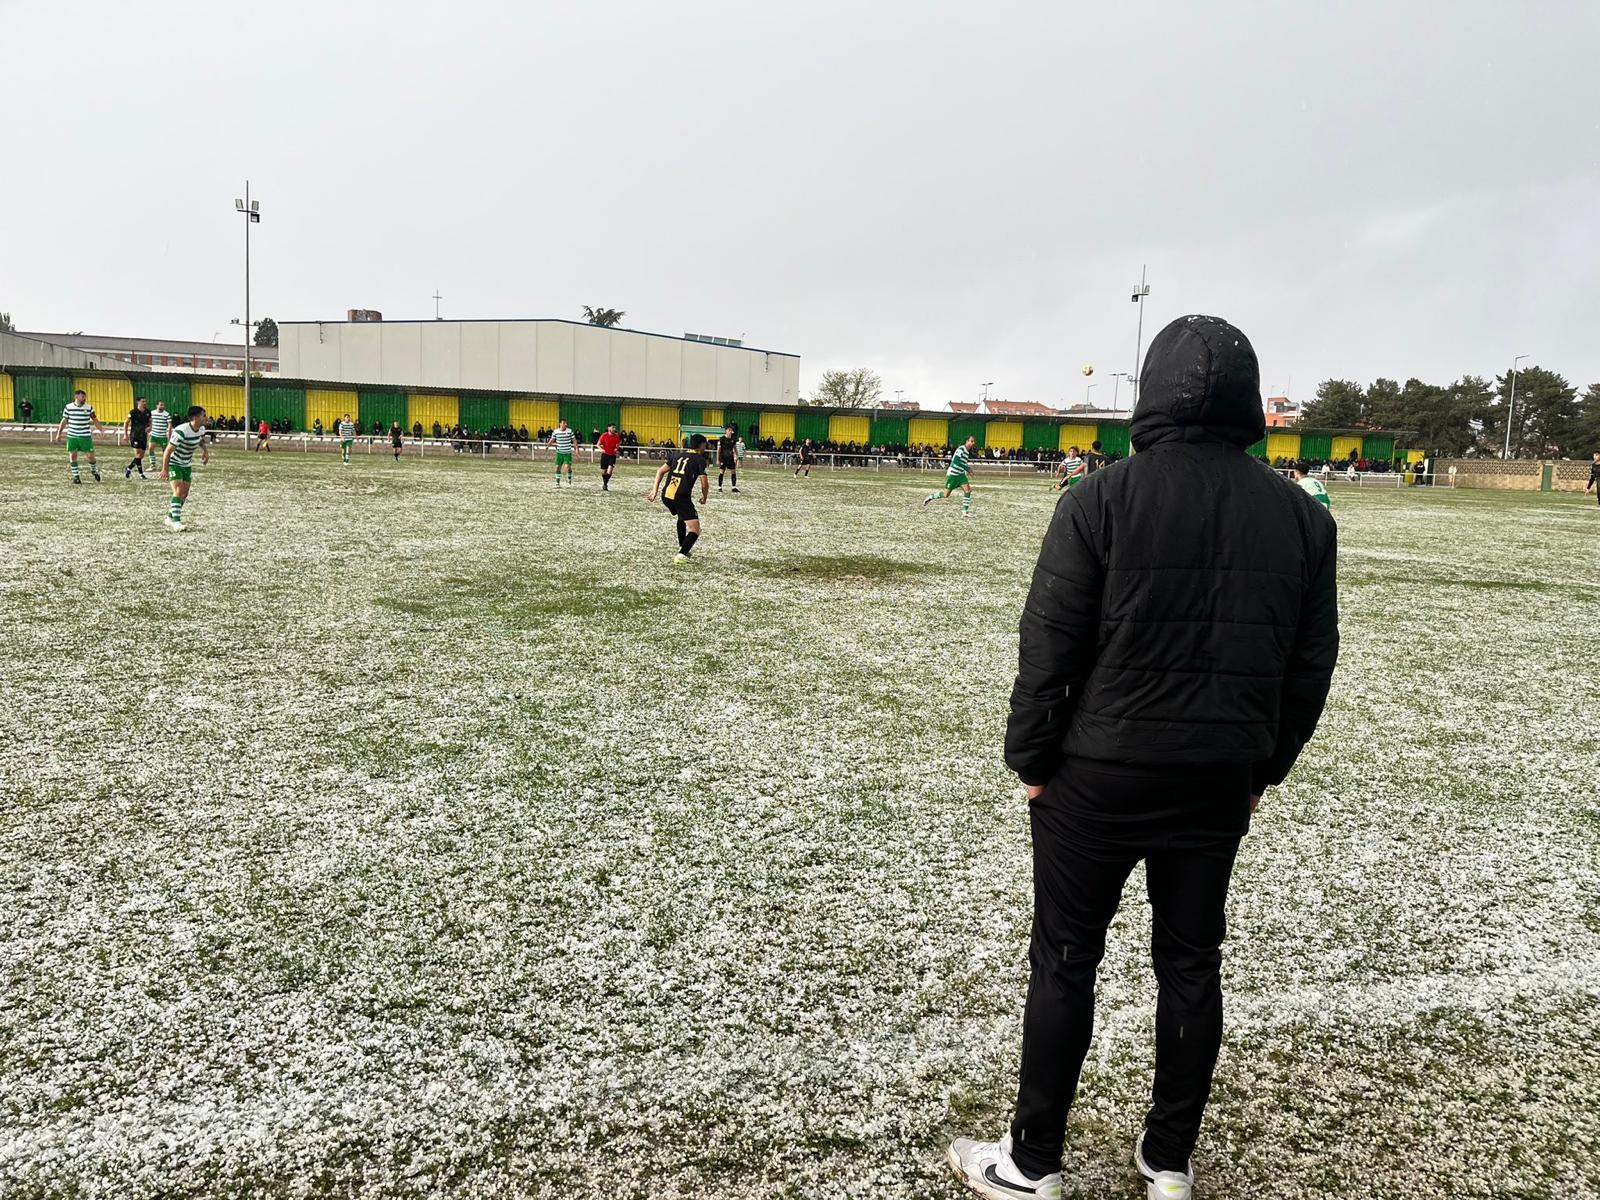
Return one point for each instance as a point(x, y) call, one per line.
point(1163, 1185)
point(171, 524)
point(986, 1168)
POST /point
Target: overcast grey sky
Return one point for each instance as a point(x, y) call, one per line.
point(948, 193)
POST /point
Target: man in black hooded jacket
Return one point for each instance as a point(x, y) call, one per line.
point(1176, 650)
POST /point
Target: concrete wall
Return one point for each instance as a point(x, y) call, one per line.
point(17, 351)
point(1517, 474)
point(564, 358)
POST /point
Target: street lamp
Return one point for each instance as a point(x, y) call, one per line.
point(252, 216)
point(1139, 293)
point(1116, 386)
point(1511, 408)
point(986, 388)
point(1087, 388)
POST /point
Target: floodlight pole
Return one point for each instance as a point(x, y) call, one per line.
point(1511, 408)
point(247, 224)
point(1139, 294)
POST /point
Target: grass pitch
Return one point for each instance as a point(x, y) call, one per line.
point(420, 830)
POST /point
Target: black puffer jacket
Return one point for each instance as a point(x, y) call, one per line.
point(1184, 609)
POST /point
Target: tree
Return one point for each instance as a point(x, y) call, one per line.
point(1545, 419)
point(603, 317)
point(5, 323)
point(1337, 405)
point(1585, 439)
point(267, 332)
point(1445, 419)
point(859, 388)
point(1383, 404)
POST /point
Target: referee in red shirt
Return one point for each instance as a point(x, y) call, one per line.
point(608, 443)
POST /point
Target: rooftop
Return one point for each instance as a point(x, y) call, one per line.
point(107, 345)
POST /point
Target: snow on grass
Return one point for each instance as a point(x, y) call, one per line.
point(421, 830)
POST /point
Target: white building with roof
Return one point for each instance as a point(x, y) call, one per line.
point(544, 356)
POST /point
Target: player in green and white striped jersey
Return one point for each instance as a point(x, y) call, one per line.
point(160, 427)
point(80, 423)
point(565, 440)
point(1071, 469)
point(347, 437)
point(177, 461)
point(958, 475)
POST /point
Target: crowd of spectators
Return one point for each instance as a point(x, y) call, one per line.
point(925, 456)
point(1354, 465)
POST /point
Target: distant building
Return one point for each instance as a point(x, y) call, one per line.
point(1019, 408)
point(202, 358)
point(964, 406)
point(1281, 411)
point(544, 356)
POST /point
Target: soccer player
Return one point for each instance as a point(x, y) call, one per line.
point(395, 439)
point(1311, 487)
point(1095, 459)
point(1072, 469)
point(136, 427)
point(957, 475)
point(608, 443)
point(177, 463)
point(680, 472)
point(347, 437)
point(565, 441)
point(78, 419)
point(264, 437)
point(160, 428)
point(1594, 476)
point(728, 455)
point(808, 455)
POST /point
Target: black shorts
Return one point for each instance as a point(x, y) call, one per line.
point(139, 441)
point(727, 464)
point(683, 508)
point(607, 461)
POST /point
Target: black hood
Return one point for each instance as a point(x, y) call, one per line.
point(1200, 382)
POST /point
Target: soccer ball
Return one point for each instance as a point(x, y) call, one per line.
point(1088, 370)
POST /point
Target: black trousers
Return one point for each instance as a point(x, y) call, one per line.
point(1090, 827)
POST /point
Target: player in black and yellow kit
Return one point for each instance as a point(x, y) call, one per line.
point(808, 456)
point(728, 457)
point(674, 483)
point(137, 429)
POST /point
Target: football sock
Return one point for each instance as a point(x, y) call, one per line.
point(682, 531)
point(966, 501)
point(76, 474)
point(175, 509)
point(689, 539)
point(736, 479)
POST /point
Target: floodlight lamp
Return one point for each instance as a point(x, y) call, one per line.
point(238, 204)
point(255, 206)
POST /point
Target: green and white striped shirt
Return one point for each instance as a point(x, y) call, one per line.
point(959, 462)
point(160, 423)
point(185, 438)
point(1314, 489)
point(80, 419)
point(565, 440)
point(347, 431)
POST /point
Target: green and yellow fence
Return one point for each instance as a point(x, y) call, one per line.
point(302, 404)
